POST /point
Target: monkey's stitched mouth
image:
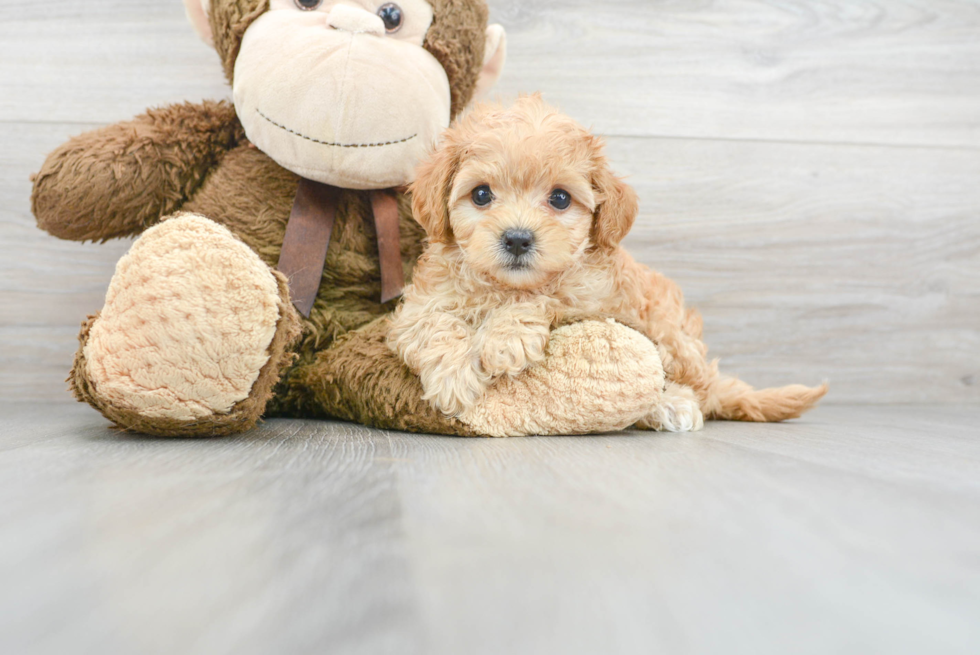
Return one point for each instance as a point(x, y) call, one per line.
point(331, 144)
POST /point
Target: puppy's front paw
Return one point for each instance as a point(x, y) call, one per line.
point(439, 348)
point(677, 411)
point(454, 390)
point(510, 350)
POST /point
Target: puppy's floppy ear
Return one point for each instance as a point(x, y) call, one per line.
point(430, 192)
point(616, 208)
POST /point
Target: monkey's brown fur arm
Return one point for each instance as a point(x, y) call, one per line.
point(118, 180)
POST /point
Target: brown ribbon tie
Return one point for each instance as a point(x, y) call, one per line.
point(384, 205)
point(304, 247)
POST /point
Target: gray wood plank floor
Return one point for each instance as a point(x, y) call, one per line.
point(853, 530)
point(807, 170)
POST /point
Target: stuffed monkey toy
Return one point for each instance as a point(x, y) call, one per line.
point(276, 234)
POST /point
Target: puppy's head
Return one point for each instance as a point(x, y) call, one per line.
point(523, 192)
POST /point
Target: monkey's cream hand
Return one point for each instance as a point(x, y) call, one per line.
point(439, 348)
point(512, 339)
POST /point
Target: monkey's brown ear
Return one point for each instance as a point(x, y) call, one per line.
point(494, 57)
point(197, 13)
point(616, 209)
point(430, 192)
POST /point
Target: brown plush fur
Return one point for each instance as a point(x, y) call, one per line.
point(122, 179)
point(360, 379)
point(475, 313)
point(457, 38)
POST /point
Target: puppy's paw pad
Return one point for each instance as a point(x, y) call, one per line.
point(677, 415)
point(511, 353)
point(454, 392)
point(503, 357)
point(535, 342)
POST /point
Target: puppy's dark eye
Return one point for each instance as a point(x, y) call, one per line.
point(482, 196)
point(308, 5)
point(391, 14)
point(560, 199)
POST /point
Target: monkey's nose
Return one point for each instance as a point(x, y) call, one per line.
point(517, 242)
point(356, 21)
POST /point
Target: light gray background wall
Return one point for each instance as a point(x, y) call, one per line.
point(809, 170)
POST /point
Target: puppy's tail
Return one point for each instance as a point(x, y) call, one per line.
point(729, 398)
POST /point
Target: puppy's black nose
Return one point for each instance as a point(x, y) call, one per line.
point(517, 242)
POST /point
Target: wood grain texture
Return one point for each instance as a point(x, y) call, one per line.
point(854, 530)
point(874, 71)
point(807, 170)
point(854, 264)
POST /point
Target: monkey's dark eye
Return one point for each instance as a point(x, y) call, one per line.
point(482, 196)
point(560, 199)
point(391, 14)
point(308, 5)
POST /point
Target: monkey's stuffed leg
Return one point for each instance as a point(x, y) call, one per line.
point(193, 336)
point(598, 376)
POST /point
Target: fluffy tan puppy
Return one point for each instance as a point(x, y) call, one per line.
point(525, 218)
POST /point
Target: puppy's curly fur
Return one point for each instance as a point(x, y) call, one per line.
point(525, 218)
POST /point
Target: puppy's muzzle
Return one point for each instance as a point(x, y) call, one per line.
point(517, 242)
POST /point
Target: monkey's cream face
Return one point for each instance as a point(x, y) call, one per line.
point(520, 212)
point(342, 92)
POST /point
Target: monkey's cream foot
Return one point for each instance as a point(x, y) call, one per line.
point(677, 411)
point(193, 335)
point(596, 376)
